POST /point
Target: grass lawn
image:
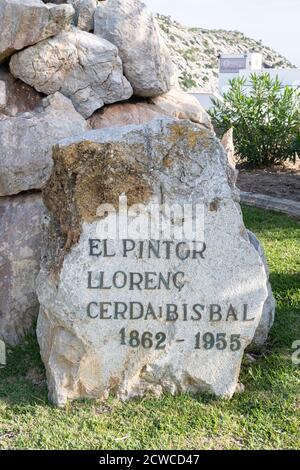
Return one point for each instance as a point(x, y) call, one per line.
point(265, 416)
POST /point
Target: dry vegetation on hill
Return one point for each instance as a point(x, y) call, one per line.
point(195, 52)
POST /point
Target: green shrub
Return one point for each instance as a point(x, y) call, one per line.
point(265, 119)
point(187, 82)
point(190, 54)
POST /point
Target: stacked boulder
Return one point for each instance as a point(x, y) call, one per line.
point(64, 69)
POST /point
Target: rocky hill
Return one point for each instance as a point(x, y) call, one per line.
point(195, 52)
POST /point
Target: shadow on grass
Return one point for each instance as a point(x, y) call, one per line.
point(283, 283)
point(23, 379)
point(286, 329)
point(259, 220)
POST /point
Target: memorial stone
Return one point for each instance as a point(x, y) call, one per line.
point(149, 282)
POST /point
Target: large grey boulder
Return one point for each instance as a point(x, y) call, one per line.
point(133, 29)
point(84, 13)
point(124, 114)
point(21, 233)
point(80, 65)
point(26, 142)
point(111, 320)
point(26, 22)
point(176, 104)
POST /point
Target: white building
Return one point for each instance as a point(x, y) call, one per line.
point(205, 98)
point(243, 65)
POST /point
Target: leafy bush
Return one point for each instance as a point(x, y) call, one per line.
point(187, 82)
point(265, 117)
point(190, 54)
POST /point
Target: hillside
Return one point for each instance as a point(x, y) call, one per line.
point(195, 52)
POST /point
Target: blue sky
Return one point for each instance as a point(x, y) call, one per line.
point(276, 22)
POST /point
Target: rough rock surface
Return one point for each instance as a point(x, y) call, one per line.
point(84, 13)
point(124, 114)
point(21, 219)
point(3, 99)
point(57, 2)
point(82, 66)
point(26, 143)
point(133, 29)
point(26, 22)
point(227, 142)
point(268, 315)
point(181, 105)
point(232, 172)
point(176, 104)
point(84, 354)
point(20, 97)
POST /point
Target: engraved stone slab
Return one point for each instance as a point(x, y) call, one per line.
point(160, 312)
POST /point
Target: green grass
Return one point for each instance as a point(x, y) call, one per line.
point(265, 416)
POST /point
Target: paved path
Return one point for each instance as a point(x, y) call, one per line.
point(271, 203)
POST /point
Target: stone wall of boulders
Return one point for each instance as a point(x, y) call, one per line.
point(65, 68)
point(62, 66)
